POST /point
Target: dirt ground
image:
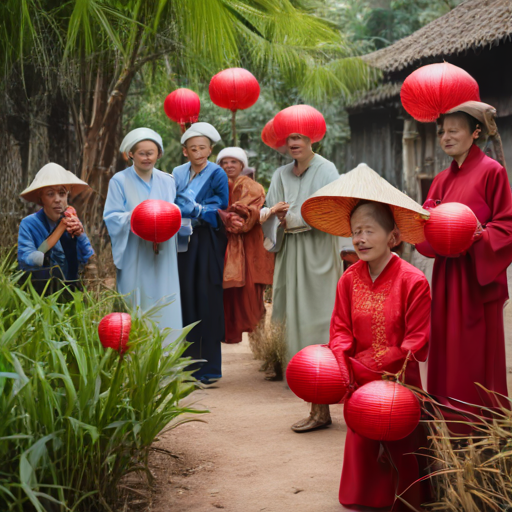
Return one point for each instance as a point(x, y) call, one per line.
point(246, 457)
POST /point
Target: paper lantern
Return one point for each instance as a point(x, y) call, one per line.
point(301, 119)
point(435, 89)
point(450, 228)
point(314, 375)
point(182, 106)
point(234, 89)
point(383, 411)
point(269, 137)
point(155, 220)
point(114, 331)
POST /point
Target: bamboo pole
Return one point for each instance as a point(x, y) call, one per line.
point(233, 127)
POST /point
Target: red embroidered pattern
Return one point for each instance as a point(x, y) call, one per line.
point(372, 303)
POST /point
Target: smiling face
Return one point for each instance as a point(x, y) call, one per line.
point(299, 146)
point(232, 167)
point(197, 150)
point(370, 240)
point(54, 200)
point(455, 135)
point(144, 155)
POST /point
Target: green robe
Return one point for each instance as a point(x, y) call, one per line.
point(308, 266)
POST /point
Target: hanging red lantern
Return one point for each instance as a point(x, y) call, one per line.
point(114, 331)
point(314, 375)
point(450, 228)
point(156, 221)
point(182, 106)
point(234, 89)
point(435, 89)
point(382, 410)
point(269, 137)
point(303, 119)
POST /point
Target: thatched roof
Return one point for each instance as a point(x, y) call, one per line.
point(375, 96)
point(471, 25)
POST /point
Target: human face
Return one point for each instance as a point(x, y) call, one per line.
point(144, 156)
point(299, 147)
point(197, 150)
point(232, 167)
point(55, 201)
point(369, 238)
point(455, 138)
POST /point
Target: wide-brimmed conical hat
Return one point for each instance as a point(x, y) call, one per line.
point(52, 175)
point(329, 208)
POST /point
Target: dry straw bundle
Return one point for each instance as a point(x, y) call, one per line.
point(473, 472)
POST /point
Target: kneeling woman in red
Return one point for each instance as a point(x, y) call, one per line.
point(381, 318)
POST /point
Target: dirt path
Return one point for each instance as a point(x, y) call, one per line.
point(246, 458)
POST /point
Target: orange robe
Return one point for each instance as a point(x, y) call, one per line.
point(374, 326)
point(248, 266)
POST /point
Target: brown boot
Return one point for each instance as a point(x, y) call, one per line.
point(320, 417)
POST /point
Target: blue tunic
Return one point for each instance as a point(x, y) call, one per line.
point(67, 253)
point(201, 267)
point(147, 278)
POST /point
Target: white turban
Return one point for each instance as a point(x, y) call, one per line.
point(201, 130)
point(138, 135)
point(237, 153)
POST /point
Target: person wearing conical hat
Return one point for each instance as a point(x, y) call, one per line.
point(52, 242)
point(146, 278)
point(308, 263)
point(248, 267)
point(202, 190)
point(469, 290)
point(381, 319)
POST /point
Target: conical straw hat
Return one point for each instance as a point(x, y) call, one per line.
point(329, 208)
point(52, 175)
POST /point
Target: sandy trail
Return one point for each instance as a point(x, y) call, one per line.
point(246, 457)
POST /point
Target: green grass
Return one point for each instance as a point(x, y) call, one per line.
point(76, 418)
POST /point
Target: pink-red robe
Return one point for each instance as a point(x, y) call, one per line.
point(468, 292)
point(248, 266)
point(375, 326)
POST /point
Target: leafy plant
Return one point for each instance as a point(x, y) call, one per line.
point(76, 418)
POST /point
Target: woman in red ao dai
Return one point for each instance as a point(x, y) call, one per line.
point(381, 318)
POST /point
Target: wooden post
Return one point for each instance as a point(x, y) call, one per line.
point(233, 127)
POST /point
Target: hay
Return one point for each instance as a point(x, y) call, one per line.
point(268, 344)
point(471, 473)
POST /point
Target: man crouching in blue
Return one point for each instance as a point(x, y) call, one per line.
point(52, 241)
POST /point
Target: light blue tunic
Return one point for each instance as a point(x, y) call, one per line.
point(150, 279)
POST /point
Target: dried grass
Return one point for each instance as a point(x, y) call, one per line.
point(473, 472)
point(268, 343)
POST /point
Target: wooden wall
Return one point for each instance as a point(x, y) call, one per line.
point(376, 139)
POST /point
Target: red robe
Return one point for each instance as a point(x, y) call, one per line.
point(375, 325)
point(469, 291)
point(248, 266)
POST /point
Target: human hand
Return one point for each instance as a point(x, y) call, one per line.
point(479, 232)
point(73, 226)
point(280, 210)
point(235, 222)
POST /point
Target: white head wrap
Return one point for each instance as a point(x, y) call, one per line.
point(201, 130)
point(138, 135)
point(237, 153)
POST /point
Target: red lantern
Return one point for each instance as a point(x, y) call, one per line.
point(382, 410)
point(155, 220)
point(269, 137)
point(314, 375)
point(301, 119)
point(182, 106)
point(114, 331)
point(435, 89)
point(450, 228)
point(234, 89)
